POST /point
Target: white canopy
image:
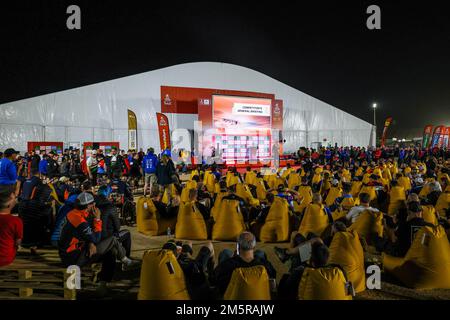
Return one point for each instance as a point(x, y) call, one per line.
point(98, 112)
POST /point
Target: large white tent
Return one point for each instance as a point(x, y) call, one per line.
point(98, 112)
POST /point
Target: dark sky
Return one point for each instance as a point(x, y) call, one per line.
point(322, 48)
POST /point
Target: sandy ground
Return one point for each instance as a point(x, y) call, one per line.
point(389, 290)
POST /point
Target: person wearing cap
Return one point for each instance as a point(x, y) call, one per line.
point(8, 170)
point(81, 244)
point(92, 167)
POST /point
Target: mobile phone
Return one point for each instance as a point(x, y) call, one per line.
point(237, 248)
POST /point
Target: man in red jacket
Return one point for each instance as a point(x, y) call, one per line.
point(11, 227)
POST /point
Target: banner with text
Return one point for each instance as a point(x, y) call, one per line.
point(387, 123)
point(164, 131)
point(132, 130)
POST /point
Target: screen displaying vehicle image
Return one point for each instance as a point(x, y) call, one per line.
point(241, 113)
point(242, 127)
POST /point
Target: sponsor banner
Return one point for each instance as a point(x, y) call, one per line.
point(164, 131)
point(132, 130)
point(387, 123)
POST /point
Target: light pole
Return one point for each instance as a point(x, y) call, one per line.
point(374, 106)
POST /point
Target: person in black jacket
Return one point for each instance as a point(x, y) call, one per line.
point(111, 223)
point(35, 211)
point(34, 159)
point(197, 270)
point(52, 165)
point(244, 257)
point(165, 174)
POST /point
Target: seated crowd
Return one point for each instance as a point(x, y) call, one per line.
point(332, 204)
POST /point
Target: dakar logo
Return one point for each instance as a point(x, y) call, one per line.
point(167, 100)
point(162, 122)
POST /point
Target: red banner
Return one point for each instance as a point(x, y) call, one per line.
point(387, 123)
point(164, 131)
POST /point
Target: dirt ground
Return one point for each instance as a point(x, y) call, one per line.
point(389, 290)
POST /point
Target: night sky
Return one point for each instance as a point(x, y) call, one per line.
point(323, 49)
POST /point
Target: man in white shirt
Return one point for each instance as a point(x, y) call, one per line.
point(355, 212)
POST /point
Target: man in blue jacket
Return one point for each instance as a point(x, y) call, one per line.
point(8, 170)
point(149, 164)
point(43, 165)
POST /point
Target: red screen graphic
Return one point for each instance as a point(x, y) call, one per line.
point(242, 127)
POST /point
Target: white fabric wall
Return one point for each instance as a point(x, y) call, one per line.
point(99, 112)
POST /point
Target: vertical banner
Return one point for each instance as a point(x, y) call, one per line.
point(164, 131)
point(436, 136)
point(132, 130)
point(426, 140)
point(443, 141)
point(387, 123)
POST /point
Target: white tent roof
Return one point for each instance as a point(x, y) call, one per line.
point(98, 112)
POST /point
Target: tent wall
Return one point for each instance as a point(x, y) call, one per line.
point(99, 112)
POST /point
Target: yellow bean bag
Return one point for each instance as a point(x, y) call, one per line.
point(333, 194)
point(429, 214)
point(244, 192)
point(185, 192)
point(229, 223)
point(443, 203)
point(427, 263)
point(194, 173)
point(370, 190)
point(293, 180)
point(217, 203)
point(368, 225)
point(286, 173)
point(209, 180)
point(250, 177)
point(250, 283)
point(314, 220)
point(356, 187)
point(339, 214)
point(348, 203)
point(231, 179)
point(261, 190)
point(359, 172)
point(276, 226)
point(305, 193)
point(366, 178)
point(161, 277)
point(397, 197)
point(146, 217)
point(327, 283)
point(190, 223)
point(165, 198)
point(387, 174)
point(346, 250)
point(405, 182)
